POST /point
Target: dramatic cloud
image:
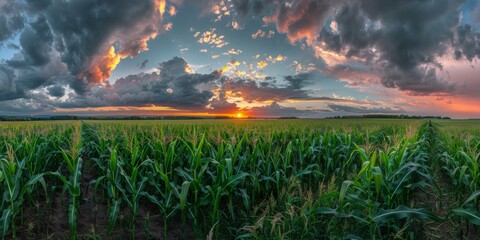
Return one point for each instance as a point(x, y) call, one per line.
point(35, 41)
point(467, 43)
point(221, 105)
point(8, 89)
point(401, 39)
point(143, 64)
point(87, 37)
point(24, 106)
point(268, 90)
point(73, 54)
point(56, 91)
point(11, 21)
point(172, 87)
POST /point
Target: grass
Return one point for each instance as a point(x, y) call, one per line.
point(244, 179)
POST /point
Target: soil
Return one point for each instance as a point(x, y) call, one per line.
point(440, 199)
point(49, 220)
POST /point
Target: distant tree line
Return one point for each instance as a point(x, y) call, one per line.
point(71, 117)
point(402, 116)
point(38, 118)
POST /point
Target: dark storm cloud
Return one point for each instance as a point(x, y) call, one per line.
point(355, 31)
point(297, 81)
point(416, 81)
point(364, 110)
point(17, 86)
point(56, 91)
point(9, 26)
point(476, 13)
point(252, 91)
point(32, 103)
point(8, 89)
point(403, 37)
point(79, 33)
point(86, 27)
point(296, 89)
point(24, 106)
point(221, 105)
point(69, 43)
point(467, 43)
point(38, 5)
point(11, 20)
point(18, 79)
point(302, 19)
point(410, 36)
point(172, 87)
point(142, 64)
point(35, 42)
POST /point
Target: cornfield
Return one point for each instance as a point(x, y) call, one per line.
point(240, 179)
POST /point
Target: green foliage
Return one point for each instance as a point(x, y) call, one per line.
point(282, 179)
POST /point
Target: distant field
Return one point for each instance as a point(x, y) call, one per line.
point(240, 179)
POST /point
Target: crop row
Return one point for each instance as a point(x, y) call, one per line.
point(262, 180)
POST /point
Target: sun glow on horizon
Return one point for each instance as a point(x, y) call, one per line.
point(240, 115)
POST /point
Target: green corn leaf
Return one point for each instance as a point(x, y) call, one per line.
point(5, 221)
point(472, 197)
point(233, 181)
point(72, 217)
point(471, 215)
point(323, 210)
point(343, 190)
point(183, 194)
point(113, 214)
point(384, 216)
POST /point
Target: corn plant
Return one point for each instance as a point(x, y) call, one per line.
point(12, 179)
point(112, 182)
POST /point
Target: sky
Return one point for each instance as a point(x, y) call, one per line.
point(255, 58)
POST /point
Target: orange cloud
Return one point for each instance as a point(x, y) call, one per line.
point(188, 69)
point(235, 63)
point(262, 64)
point(260, 33)
point(211, 38)
point(233, 52)
point(236, 25)
point(102, 66)
point(168, 26)
point(172, 11)
point(134, 48)
point(224, 69)
point(161, 6)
